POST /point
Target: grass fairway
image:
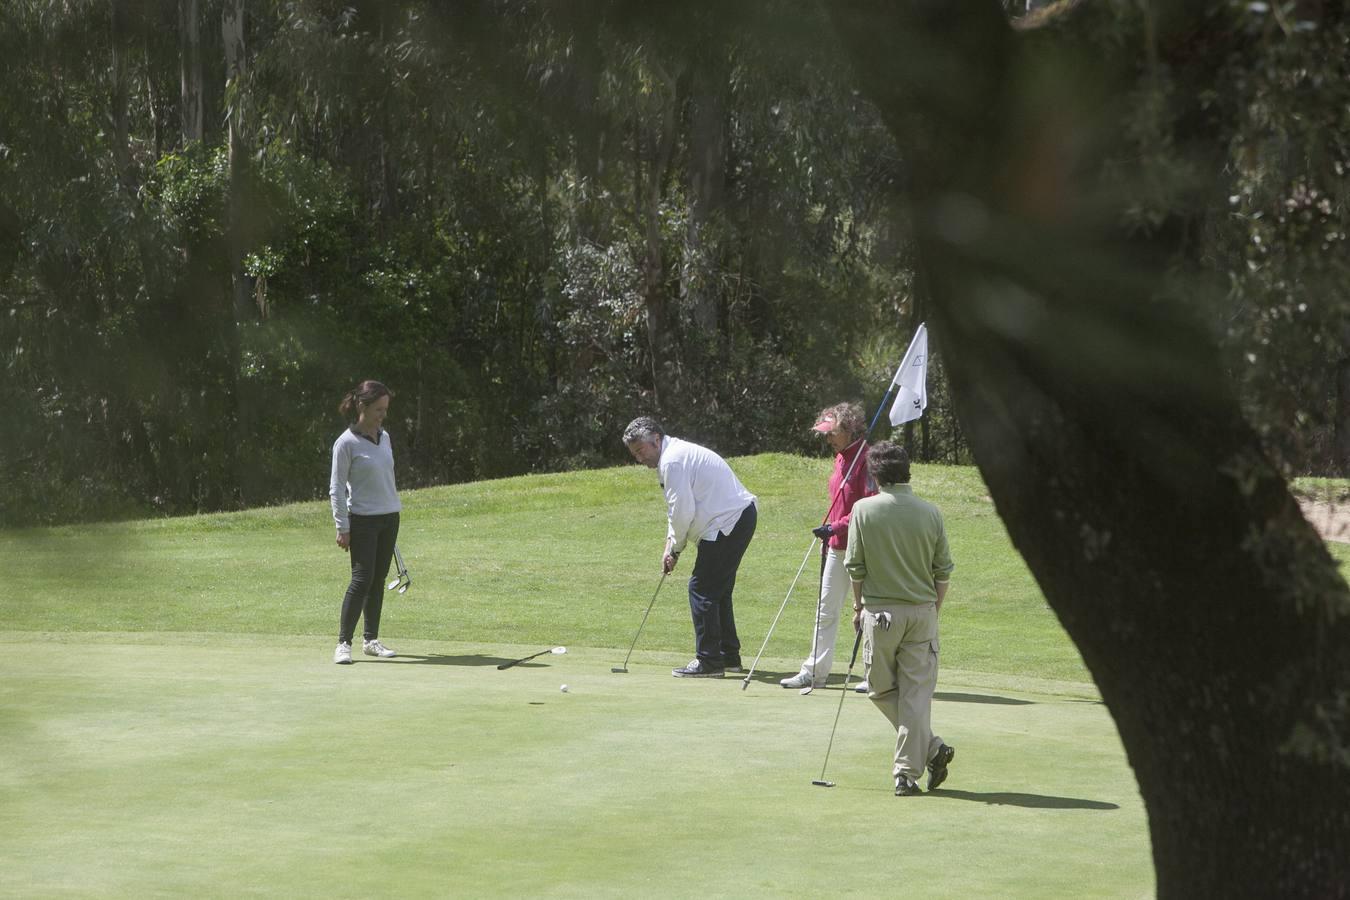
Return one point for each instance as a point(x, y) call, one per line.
point(173, 722)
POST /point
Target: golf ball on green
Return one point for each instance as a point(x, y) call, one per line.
point(563, 688)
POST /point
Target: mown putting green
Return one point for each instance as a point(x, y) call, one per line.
point(173, 723)
point(180, 764)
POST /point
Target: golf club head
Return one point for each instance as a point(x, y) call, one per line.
point(618, 669)
point(393, 584)
point(745, 682)
point(558, 651)
point(819, 783)
point(806, 690)
point(407, 583)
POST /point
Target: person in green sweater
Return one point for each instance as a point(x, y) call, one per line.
point(900, 565)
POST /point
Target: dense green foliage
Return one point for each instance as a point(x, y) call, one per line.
point(1287, 325)
point(535, 220)
point(532, 226)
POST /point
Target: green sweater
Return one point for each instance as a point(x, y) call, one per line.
point(897, 547)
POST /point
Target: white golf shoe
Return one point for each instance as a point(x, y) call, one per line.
point(343, 654)
point(375, 648)
point(800, 680)
point(863, 687)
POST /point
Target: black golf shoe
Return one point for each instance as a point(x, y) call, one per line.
point(699, 669)
point(906, 786)
point(937, 768)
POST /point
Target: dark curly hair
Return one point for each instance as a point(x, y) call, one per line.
point(889, 463)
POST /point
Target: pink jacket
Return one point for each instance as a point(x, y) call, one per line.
point(860, 484)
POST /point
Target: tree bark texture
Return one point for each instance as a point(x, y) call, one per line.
point(241, 301)
point(190, 69)
point(232, 32)
point(707, 183)
point(655, 143)
point(117, 113)
point(1341, 436)
point(1209, 613)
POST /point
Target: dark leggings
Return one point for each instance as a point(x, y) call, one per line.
point(372, 548)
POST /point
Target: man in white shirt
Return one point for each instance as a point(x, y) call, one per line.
point(707, 503)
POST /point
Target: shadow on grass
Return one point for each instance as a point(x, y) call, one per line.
point(438, 659)
point(980, 698)
point(836, 683)
point(763, 676)
point(1027, 801)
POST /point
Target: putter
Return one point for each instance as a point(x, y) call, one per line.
point(624, 667)
point(556, 651)
point(821, 782)
point(404, 580)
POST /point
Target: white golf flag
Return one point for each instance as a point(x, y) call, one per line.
point(912, 377)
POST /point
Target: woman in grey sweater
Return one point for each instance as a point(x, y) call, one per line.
point(365, 510)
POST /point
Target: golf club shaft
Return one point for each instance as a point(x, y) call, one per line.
point(644, 619)
point(516, 662)
point(781, 607)
point(842, 694)
point(403, 581)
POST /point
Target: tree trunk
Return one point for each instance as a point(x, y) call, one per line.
point(656, 144)
point(388, 199)
point(190, 69)
point(1211, 616)
point(241, 303)
point(152, 104)
point(117, 113)
point(1341, 435)
point(590, 122)
point(232, 32)
point(707, 183)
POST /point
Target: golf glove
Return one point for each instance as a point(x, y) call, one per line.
point(823, 531)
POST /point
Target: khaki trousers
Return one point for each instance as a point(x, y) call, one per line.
point(901, 662)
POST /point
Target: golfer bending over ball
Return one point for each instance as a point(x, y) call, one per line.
point(365, 508)
point(899, 563)
point(705, 502)
point(843, 427)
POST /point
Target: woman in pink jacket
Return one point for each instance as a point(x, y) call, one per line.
point(844, 428)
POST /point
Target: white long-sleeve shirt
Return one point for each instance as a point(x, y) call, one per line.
point(704, 497)
point(362, 480)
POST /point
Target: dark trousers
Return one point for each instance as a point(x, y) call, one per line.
point(372, 548)
point(710, 590)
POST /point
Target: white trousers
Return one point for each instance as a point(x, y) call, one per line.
point(834, 587)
